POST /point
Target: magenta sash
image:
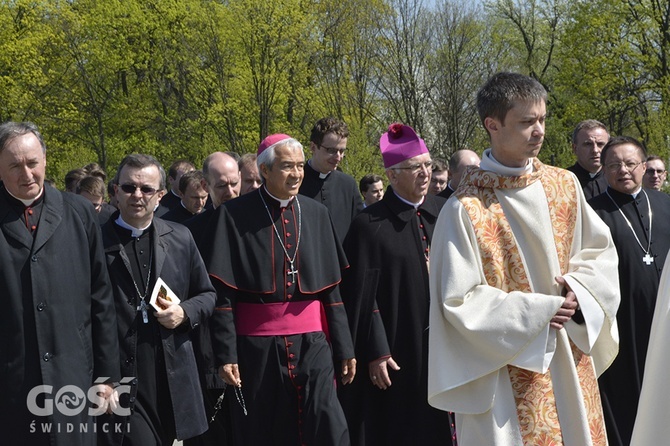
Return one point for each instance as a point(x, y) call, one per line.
point(278, 319)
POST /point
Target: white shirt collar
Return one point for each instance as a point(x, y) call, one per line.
point(28, 202)
point(491, 164)
point(414, 205)
point(282, 203)
point(136, 232)
point(321, 175)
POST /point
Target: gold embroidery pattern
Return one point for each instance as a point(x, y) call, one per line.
point(503, 269)
point(561, 194)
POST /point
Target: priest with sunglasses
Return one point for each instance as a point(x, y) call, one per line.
point(161, 292)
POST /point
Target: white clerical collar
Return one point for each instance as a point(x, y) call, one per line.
point(636, 193)
point(28, 202)
point(282, 203)
point(593, 175)
point(173, 193)
point(136, 232)
point(414, 205)
point(322, 176)
point(493, 165)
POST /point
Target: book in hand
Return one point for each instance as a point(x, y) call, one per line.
point(162, 290)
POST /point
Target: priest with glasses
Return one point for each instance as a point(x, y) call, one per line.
point(636, 217)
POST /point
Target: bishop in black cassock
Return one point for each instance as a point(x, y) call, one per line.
point(279, 323)
point(637, 218)
point(387, 299)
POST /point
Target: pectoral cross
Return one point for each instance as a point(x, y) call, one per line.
point(292, 272)
point(648, 259)
point(143, 308)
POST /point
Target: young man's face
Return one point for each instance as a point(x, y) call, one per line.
point(374, 193)
point(519, 138)
point(590, 143)
point(328, 155)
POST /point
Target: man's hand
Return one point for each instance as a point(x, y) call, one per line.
point(172, 316)
point(230, 374)
point(379, 374)
point(348, 370)
point(567, 310)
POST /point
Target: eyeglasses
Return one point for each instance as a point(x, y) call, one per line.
point(416, 168)
point(131, 188)
point(629, 166)
point(654, 171)
point(334, 150)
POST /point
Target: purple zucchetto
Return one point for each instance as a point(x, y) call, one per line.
point(271, 140)
point(400, 143)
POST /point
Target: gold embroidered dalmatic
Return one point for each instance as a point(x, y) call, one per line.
point(493, 359)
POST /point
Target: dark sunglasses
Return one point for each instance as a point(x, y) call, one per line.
point(131, 188)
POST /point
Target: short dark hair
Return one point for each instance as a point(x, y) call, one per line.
point(587, 124)
point(92, 184)
point(503, 90)
point(328, 125)
point(140, 161)
point(247, 159)
point(189, 178)
point(439, 165)
point(655, 158)
point(621, 140)
point(10, 130)
point(367, 181)
point(72, 179)
point(178, 165)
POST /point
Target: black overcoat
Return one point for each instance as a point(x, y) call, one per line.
point(178, 262)
point(59, 283)
point(386, 295)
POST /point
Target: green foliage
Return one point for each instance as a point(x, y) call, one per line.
point(184, 78)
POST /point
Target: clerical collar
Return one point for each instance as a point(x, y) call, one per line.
point(28, 202)
point(493, 165)
point(322, 176)
point(135, 232)
point(176, 195)
point(282, 203)
point(414, 205)
point(637, 192)
point(593, 175)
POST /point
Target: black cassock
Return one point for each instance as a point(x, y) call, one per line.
point(620, 384)
point(338, 192)
point(387, 298)
point(287, 381)
point(591, 185)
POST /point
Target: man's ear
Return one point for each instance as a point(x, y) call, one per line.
point(492, 124)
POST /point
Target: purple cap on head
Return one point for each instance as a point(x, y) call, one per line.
point(400, 143)
point(271, 140)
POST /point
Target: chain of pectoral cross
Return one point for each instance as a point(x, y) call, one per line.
point(142, 306)
point(291, 272)
point(647, 259)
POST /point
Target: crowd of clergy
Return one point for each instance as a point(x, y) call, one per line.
point(271, 299)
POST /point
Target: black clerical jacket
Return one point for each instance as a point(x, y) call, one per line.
point(338, 192)
point(591, 185)
point(177, 261)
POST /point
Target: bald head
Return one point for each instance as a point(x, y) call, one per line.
point(222, 177)
point(457, 164)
